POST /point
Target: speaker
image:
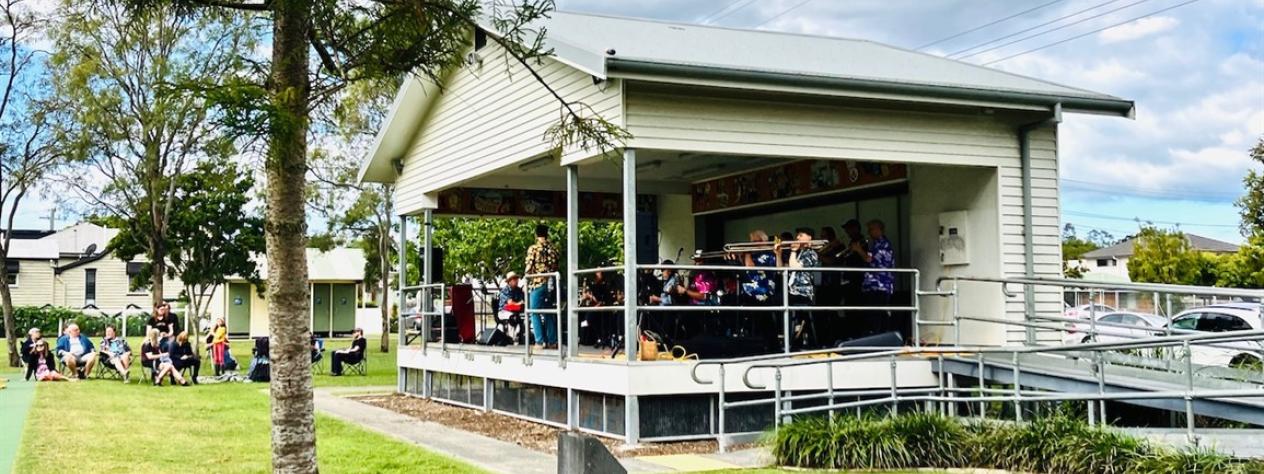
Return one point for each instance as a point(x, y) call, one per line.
point(493, 337)
point(436, 267)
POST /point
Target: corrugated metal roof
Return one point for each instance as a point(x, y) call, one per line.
point(634, 39)
point(339, 264)
point(1198, 242)
point(33, 249)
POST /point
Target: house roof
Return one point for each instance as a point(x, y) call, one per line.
point(1198, 242)
point(32, 249)
point(339, 264)
point(609, 46)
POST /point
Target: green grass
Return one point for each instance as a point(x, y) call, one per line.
point(224, 427)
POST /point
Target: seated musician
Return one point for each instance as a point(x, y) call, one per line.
point(704, 287)
point(511, 300)
point(595, 327)
point(673, 289)
point(757, 285)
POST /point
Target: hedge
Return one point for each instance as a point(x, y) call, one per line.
point(1055, 444)
point(47, 319)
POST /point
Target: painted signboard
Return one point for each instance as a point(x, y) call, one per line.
point(791, 180)
point(531, 203)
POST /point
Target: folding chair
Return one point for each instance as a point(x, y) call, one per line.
point(104, 369)
point(318, 357)
point(361, 367)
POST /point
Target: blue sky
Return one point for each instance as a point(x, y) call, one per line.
point(1196, 72)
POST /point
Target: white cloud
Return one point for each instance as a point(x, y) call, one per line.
point(1138, 29)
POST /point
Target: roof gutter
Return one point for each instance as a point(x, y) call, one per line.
point(1098, 105)
point(1029, 246)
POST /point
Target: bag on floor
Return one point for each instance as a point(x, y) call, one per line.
point(230, 363)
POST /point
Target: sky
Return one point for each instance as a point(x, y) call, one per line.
point(1195, 69)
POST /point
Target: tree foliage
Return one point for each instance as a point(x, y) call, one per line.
point(1251, 204)
point(1165, 256)
point(484, 249)
point(114, 71)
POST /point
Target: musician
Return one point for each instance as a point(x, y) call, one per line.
point(801, 283)
point(704, 287)
point(594, 328)
point(877, 286)
point(673, 289)
point(757, 286)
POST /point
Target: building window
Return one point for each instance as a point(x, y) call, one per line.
point(90, 287)
point(1105, 262)
point(134, 286)
point(11, 279)
point(11, 276)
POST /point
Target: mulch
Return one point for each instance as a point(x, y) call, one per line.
point(530, 435)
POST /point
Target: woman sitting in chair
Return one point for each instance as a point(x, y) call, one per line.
point(44, 363)
point(157, 356)
point(350, 355)
point(183, 356)
point(116, 353)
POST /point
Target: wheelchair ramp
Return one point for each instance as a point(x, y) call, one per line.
point(1123, 373)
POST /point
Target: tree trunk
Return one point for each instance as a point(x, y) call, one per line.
point(293, 417)
point(159, 267)
point(10, 329)
point(384, 273)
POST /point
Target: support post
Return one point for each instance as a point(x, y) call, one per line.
point(630, 334)
point(402, 274)
point(631, 420)
point(572, 260)
point(427, 294)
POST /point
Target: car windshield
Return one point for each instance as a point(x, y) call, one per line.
point(1188, 322)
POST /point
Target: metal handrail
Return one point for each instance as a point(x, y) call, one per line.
point(1072, 283)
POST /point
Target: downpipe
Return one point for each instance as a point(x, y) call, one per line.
point(1029, 249)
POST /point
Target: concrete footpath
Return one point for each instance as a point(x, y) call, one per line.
point(15, 403)
point(499, 456)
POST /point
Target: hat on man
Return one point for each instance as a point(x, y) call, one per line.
point(511, 275)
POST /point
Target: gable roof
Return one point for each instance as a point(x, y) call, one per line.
point(609, 46)
point(336, 264)
point(1197, 242)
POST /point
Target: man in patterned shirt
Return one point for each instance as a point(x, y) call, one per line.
point(802, 283)
point(877, 286)
point(542, 258)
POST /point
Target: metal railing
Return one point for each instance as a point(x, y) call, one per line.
point(424, 309)
point(945, 396)
point(553, 278)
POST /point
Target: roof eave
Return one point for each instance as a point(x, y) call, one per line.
point(1071, 103)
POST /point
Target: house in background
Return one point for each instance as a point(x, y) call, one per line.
point(1110, 264)
point(73, 268)
point(336, 280)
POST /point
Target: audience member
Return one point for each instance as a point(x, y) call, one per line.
point(183, 356)
point(156, 355)
point(350, 355)
point(32, 336)
point(45, 365)
point(76, 351)
point(219, 345)
point(116, 353)
point(163, 321)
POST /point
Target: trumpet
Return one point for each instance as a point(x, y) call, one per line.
point(765, 246)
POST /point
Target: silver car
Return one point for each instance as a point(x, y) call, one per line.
point(1224, 318)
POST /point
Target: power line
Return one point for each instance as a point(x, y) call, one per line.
point(1174, 192)
point(704, 18)
point(1019, 32)
point(1051, 30)
point(1138, 219)
point(977, 28)
point(731, 9)
point(1156, 12)
point(783, 12)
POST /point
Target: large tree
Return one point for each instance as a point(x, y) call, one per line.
point(26, 158)
point(351, 42)
point(114, 70)
point(1251, 204)
point(1166, 256)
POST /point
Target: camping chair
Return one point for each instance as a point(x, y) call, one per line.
point(361, 367)
point(318, 357)
point(104, 369)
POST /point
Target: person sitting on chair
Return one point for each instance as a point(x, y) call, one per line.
point(183, 356)
point(116, 353)
point(350, 355)
point(318, 352)
point(76, 351)
point(155, 353)
point(45, 365)
point(511, 306)
point(163, 321)
point(27, 351)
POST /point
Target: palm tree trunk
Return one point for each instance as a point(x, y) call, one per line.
point(293, 417)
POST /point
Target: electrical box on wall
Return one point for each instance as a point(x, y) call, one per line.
point(952, 238)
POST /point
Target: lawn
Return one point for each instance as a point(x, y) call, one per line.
point(224, 427)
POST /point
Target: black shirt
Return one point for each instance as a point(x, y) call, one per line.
point(165, 326)
point(181, 349)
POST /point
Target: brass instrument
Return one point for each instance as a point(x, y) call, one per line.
point(751, 247)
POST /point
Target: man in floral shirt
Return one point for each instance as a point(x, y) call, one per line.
point(802, 283)
point(542, 258)
point(877, 286)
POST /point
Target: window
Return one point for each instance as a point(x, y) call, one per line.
point(12, 267)
point(1188, 322)
point(11, 279)
point(134, 286)
point(90, 286)
point(1218, 322)
point(1114, 319)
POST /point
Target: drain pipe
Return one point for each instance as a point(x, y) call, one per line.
point(1029, 248)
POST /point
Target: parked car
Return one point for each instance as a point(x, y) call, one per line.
point(1224, 318)
point(1081, 332)
point(1084, 311)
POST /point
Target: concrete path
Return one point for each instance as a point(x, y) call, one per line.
point(491, 454)
point(499, 456)
point(15, 402)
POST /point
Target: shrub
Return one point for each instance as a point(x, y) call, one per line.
point(1055, 444)
point(47, 319)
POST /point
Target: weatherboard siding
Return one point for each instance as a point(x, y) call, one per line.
point(745, 126)
point(491, 117)
point(35, 284)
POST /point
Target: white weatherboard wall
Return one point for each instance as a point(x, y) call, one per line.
point(753, 126)
point(493, 116)
point(675, 225)
point(35, 284)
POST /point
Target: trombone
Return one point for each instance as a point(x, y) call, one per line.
point(751, 247)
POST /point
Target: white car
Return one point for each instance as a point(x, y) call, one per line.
point(1085, 311)
point(1142, 325)
point(1224, 318)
